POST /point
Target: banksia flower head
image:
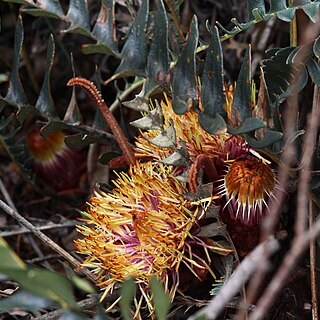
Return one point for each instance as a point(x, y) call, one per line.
point(53, 161)
point(247, 186)
point(143, 229)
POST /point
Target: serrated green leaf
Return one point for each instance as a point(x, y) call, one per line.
point(127, 290)
point(26, 111)
point(249, 125)
point(175, 159)
point(45, 103)
point(139, 103)
point(104, 28)
point(158, 60)
point(277, 5)
point(212, 96)
point(241, 105)
point(184, 86)
point(278, 74)
point(297, 84)
point(255, 4)
point(134, 52)
point(160, 299)
point(78, 15)
point(300, 54)
point(213, 125)
point(312, 10)
point(16, 94)
point(287, 15)
point(316, 47)
point(269, 138)
point(25, 301)
point(314, 71)
point(166, 139)
point(152, 121)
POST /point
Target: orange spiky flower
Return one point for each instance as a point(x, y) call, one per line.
point(143, 228)
point(53, 161)
point(247, 186)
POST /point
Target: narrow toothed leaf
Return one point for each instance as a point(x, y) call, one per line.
point(249, 125)
point(269, 138)
point(134, 52)
point(212, 96)
point(184, 86)
point(166, 139)
point(158, 60)
point(16, 94)
point(78, 15)
point(257, 5)
point(152, 121)
point(45, 103)
point(241, 105)
point(104, 30)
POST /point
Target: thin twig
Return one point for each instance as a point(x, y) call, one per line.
point(299, 244)
point(46, 240)
point(33, 243)
point(240, 276)
point(313, 275)
point(49, 226)
point(84, 304)
point(291, 259)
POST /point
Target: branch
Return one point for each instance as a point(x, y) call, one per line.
point(240, 276)
point(46, 240)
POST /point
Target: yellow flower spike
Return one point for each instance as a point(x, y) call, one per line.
point(141, 229)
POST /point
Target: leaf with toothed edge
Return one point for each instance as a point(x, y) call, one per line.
point(166, 139)
point(158, 60)
point(250, 124)
point(104, 31)
point(78, 15)
point(241, 105)
point(175, 159)
point(270, 137)
point(134, 52)
point(152, 121)
point(212, 97)
point(45, 103)
point(184, 85)
point(255, 4)
point(16, 94)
